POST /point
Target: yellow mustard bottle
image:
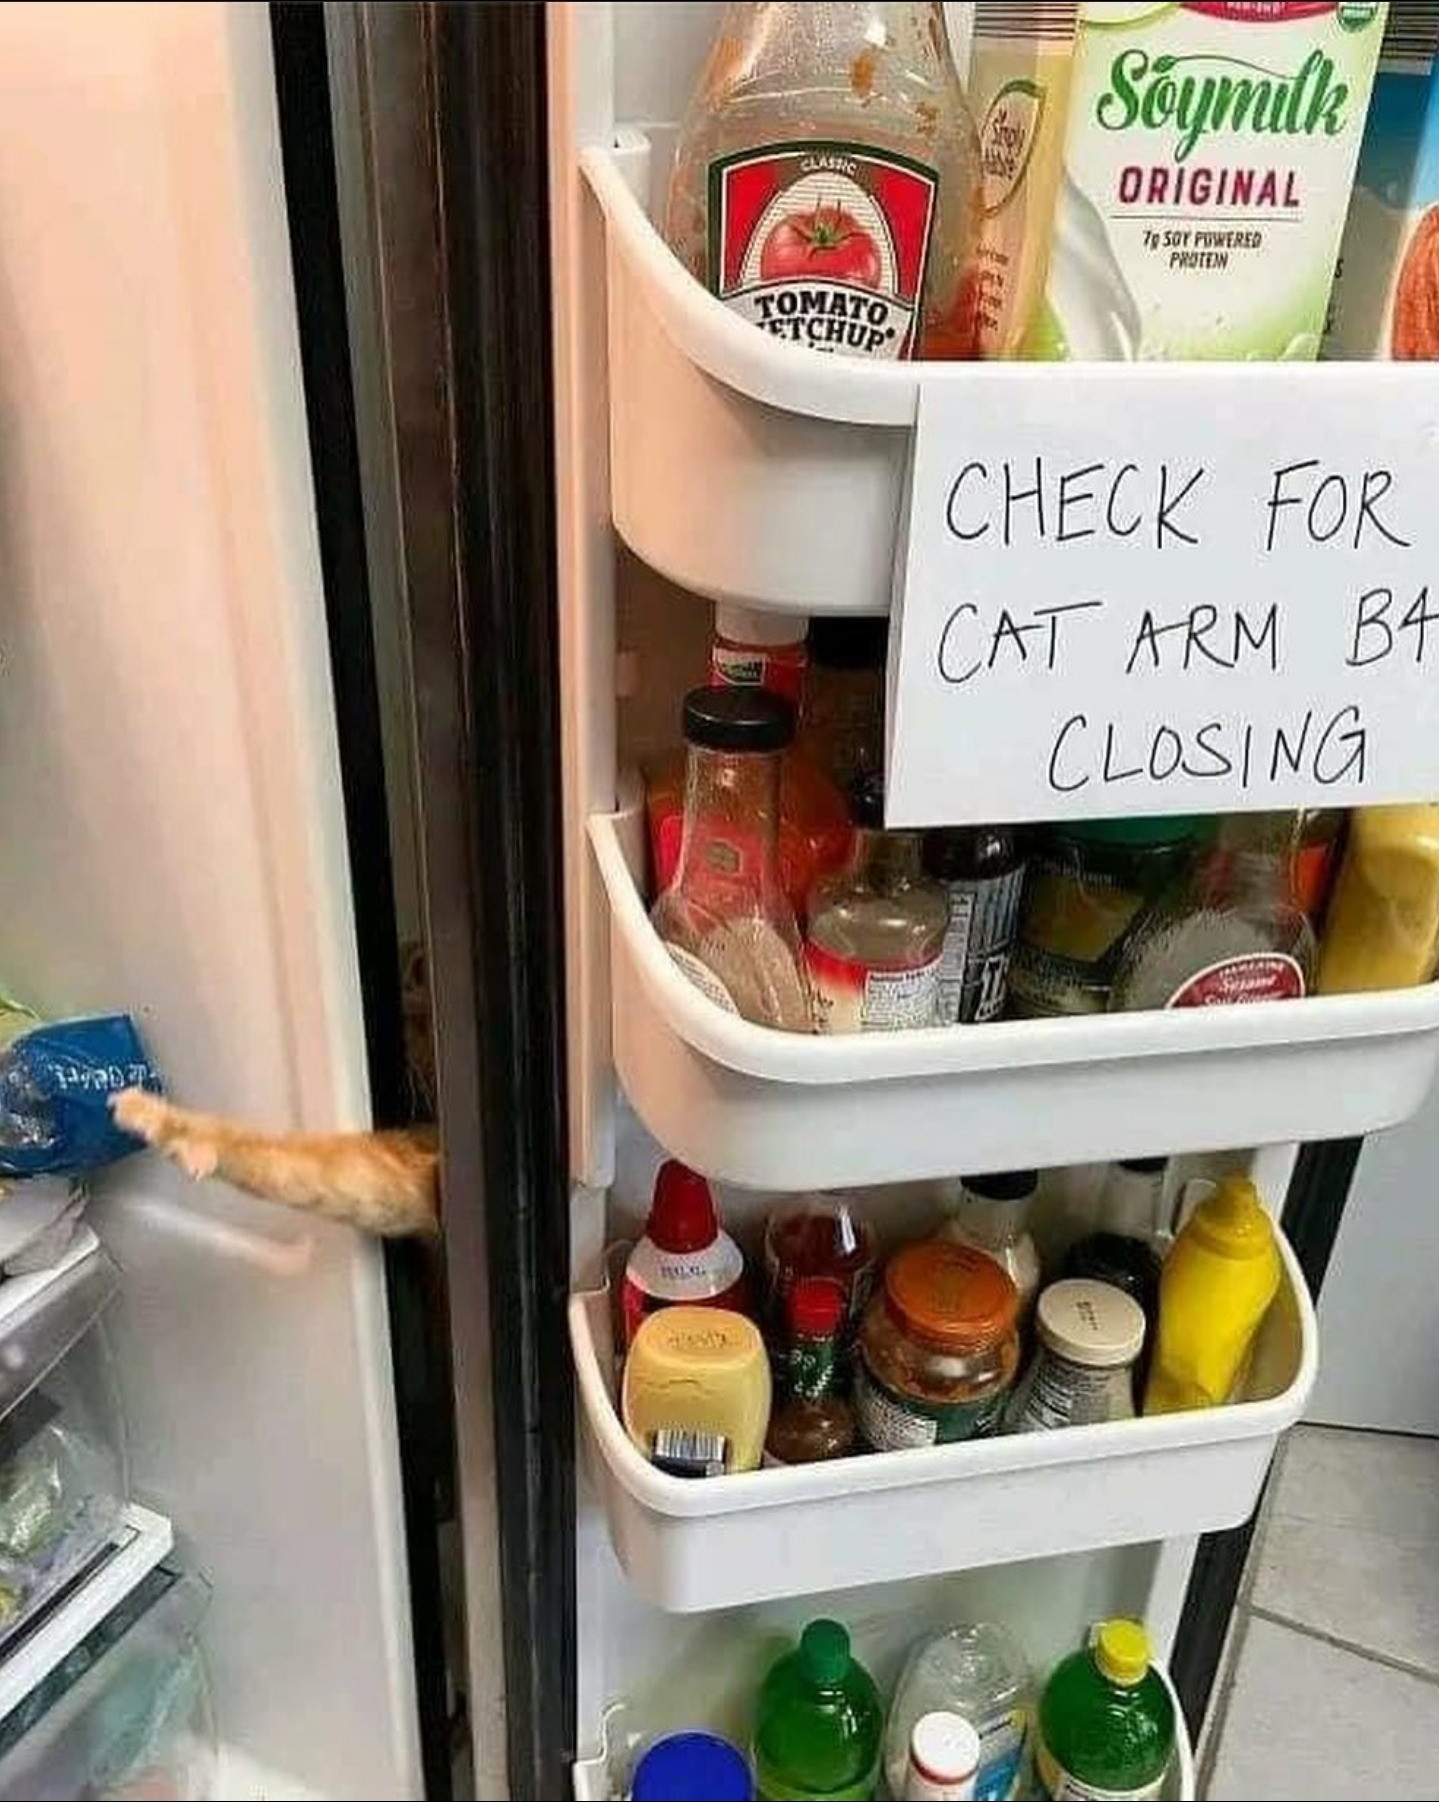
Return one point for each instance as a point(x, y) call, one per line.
point(1383, 926)
point(1215, 1288)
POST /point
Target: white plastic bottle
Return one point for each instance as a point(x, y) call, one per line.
point(943, 1760)
point(992, 1214)
point(976, 1670)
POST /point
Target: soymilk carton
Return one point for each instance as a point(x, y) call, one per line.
point(1209, 148)
point(1386, 289)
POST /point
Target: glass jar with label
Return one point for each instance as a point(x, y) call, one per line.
point(826, 179)
point(982, 867)
point(1228, 932)
point(725, 919)
point(1090, 886)
point(1083, 1370)
point(938, 1348)
point(876, 929)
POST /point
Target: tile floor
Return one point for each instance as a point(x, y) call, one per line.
point(1332, 1680)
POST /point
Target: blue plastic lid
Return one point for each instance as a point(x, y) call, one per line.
point(692, 1767)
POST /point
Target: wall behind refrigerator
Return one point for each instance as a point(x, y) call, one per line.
point(173, 841)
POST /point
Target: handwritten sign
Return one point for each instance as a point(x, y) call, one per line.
point(1181, 589)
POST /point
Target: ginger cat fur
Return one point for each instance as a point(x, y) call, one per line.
point(382, 1182)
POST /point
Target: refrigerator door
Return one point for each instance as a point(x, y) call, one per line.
point(170, 805)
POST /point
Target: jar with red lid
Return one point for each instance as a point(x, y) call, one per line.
point(938, 1348)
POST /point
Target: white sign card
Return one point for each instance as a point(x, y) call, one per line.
point(1167, 589)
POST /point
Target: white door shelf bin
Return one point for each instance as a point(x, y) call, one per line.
point(690, 1545)
point(753, 470)
point(773, 1110)
point(605, 1776)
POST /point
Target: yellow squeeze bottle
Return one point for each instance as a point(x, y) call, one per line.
point(1383, 926)
point(1214, 1290)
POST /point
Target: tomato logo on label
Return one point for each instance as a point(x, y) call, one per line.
point(827, 241)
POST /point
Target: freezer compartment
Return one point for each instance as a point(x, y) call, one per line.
point(127, 1712)
point(690, 1545)
point(772, 1110)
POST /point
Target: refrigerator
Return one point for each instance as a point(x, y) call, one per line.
point(368, 479)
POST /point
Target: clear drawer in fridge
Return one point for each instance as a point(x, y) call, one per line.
point(688, 1545)
point(64, 1477)
point(127, 1712)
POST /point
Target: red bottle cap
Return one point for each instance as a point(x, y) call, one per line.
point(816, 1306)
point(683, 1216)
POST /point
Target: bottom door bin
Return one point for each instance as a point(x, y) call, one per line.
point(127, 1712)
point(605, 1777)
point(688, 1545)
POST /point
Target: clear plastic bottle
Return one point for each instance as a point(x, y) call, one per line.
point(876, 929)
point(977, 1670)
point(823, 1236)
point(1228, 933)
point(826, 179)
point(818, 1722)
point(1106, 1721)
point(725, 919)
point(992, 1214)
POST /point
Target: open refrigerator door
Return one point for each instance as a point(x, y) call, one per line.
point(171, 798)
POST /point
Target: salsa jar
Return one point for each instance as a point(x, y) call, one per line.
point(938, 1348)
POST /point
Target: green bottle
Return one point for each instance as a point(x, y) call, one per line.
point(818, 1723)
point(1106, 1720)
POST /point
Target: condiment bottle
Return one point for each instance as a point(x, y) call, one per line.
point(1131, 1198)
point(826, 179)
point(1083, 1370)
point(1383, 925)
point(1229, 932)
point(938, 1348)
point(695, 1393)
point(1313, 836)
point(818, 1722)
point(844, 697)
point(1089, 888)
point(982, 869)
point(684, 1254)
point(753, 649)
point(725, 919)
point(692, 1764)
point(992, 1213)
point(876, 929)
point(943, 1759)
point(819, 1235)
point(1106, 1720)
point(976, 1669)
point(1214, 1291)
point(812, 1421)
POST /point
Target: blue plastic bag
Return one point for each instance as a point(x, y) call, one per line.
point(55, 1087)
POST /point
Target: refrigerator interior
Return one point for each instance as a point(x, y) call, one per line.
point(170, 800)
point(612, 68)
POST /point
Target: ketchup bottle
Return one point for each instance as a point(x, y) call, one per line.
point(685, 1254)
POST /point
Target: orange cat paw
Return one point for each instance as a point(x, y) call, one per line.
point(141, 1113)
point(194, 1156)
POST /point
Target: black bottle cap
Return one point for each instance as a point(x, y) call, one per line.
point(738, 719)
point(1144, 1166)
point(1002, 1185)
point(849, 642)
point(866, 800)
